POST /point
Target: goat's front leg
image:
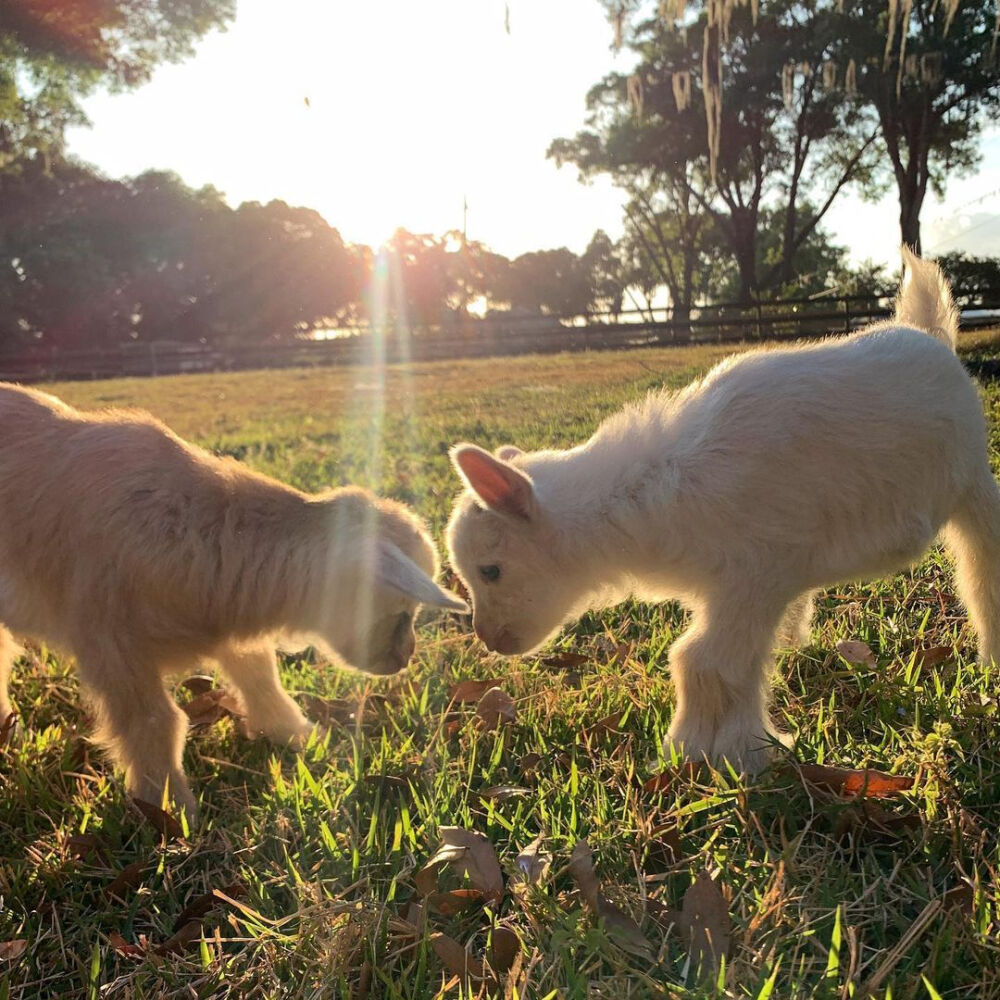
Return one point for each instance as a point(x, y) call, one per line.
point(720, 669)
point(138, 722)
point(253, 671)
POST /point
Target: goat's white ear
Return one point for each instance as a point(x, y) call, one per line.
point(500, 486)
point(506, 452)
point(398, 570)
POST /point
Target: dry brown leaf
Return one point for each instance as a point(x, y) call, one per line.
point(933, 655)
point(664, 781)
point(178, 942)
point(212, 706)
point(472, 690)
point(455, 958)
point(125, 948)
point(857, 653)
point(128, 878)
point(706, 924)
point(533, 863)
point(623, 927)
point(455, 901)
point(609, 724)
point(201, 905)
point(565, 661)
point(528, 764)
point(961, 897)
point(10, 951)
point(496, 708)
point(472, 856)
point(505, 946)
point(851, 784)
point(501, 792)
point(82, 845)
point(198, 684)
point(867, 817)
point(164, 823)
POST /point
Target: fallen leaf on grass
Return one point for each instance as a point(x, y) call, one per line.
point(705, 923)
point(869, 817)
point(619, 923)
point(211, 707)
point(473, 857)
point(178, 942)
point(450, 903)
point(961, 898)
point(664, 781)
point(501, 792)
point(201, 905)
point(496, 708)
point(10, 951)
point(162, 821)
point(528, 763)
point(857, 653)
point(125, 948)
point(933, 655)
point(564, 661)
point(465, 691)
point(851, 783)
point(82, 845)
point(533, 863)
point(505, 946)
point(128, 878)
point(198, 684)
point(609, 724)
point(455, 958)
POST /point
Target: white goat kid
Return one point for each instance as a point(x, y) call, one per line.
point(141, 554)
point(779, 472)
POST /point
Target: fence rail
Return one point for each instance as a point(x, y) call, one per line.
point(473, 338)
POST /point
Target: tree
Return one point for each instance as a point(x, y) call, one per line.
point(929, 70)
point(52, 54)
point(974, 280)
point(648, 131)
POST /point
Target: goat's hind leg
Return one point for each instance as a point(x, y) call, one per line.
point(270, 710)
point(797, 621)
point(973, 536)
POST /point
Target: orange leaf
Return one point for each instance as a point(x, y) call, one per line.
point(123, 947)
point(851, 783)
point(565, 660)
point(164, 823)
point(450, 903)
point(472, 690)
point(10, 951)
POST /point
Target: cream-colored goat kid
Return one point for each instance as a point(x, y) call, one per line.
point(140, 554)
point(779, 472)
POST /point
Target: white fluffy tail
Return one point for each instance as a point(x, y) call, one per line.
point(925, 301)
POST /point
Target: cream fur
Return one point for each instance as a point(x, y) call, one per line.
point(779, 472)
point(141, 554)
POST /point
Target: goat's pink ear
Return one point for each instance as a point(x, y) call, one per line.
point(506, 452)
point(498, 485)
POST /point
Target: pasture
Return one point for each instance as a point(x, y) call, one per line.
point(305, 875)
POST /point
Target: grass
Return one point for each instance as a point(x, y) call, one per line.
point(824, 895)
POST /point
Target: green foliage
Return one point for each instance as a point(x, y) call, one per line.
point(51, 55)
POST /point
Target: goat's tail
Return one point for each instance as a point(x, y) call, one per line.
point(925, 301)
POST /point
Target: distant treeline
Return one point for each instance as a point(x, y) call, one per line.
point(88, 262)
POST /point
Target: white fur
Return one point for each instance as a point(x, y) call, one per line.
point(779, 472)
point(141, 554)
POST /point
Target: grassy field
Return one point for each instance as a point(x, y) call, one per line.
point(315, 860)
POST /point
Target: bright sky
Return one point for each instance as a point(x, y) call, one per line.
point(413, 107)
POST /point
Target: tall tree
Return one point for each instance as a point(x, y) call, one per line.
point(929, 70)
point(54, 52)
point(648, 130)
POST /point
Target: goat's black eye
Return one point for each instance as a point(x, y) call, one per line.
point(490, 573)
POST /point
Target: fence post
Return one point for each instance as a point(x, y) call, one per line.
point(847, 314)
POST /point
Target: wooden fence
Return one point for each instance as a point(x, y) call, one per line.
point(472, 338)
